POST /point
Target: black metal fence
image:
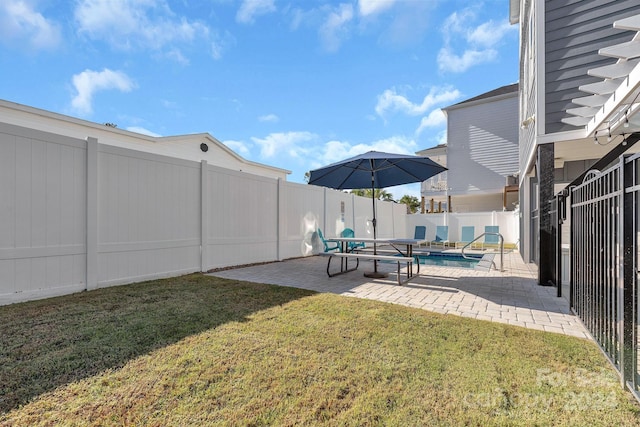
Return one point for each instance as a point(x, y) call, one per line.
point(604, 261)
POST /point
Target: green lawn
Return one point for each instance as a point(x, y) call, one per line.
point(198, 350)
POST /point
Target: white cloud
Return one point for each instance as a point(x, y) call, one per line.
point(143, 131)
point(334, 151)
point(466, 45)
point(391, 101)
point(89, 82)
point(336, 22)
point(373, 7)
point(22, 25)
point(441, 137)
point(220, 43)
point(450, 61)
point(394, 144)
point(177, 56)
point(490, 33)
point(436, 118)
point(168, 104)
point(132, 24)
point(269, 118)
point(297, 17)
point(250, 9)
point(237, 146)
point(294, 144)
point(335, 27)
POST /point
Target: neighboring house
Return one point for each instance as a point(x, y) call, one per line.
point(196, 147)
point(434, 191)
point(575, 86)
point(481, 154)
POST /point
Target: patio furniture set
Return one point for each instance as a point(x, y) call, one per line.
point(347, 247)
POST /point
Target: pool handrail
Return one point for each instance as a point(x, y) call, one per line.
point(501, 247)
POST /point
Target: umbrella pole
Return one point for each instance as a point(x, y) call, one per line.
point(375, 236)
point(374, 274)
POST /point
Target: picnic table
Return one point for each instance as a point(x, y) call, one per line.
point(397, 255)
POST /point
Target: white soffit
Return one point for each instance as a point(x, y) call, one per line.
point(591, 101)
point(604, 87)
point(614, 71)
point(616, 98)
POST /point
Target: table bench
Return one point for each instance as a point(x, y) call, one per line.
point(415, 253)
point(345, 256)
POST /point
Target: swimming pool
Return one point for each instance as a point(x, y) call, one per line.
point(449, 260)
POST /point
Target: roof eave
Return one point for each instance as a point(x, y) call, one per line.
point(495, 98)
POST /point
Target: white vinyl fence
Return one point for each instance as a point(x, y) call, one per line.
point(78, 215)
point(506, 221)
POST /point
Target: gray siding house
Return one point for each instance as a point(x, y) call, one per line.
point(481, 154)
point(580, 162)
point(563, 45)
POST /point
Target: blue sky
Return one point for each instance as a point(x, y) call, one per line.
point(295, 84)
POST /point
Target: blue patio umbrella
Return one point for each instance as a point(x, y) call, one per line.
point(373, 170)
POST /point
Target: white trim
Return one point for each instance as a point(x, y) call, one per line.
point(553, 138)
point(38, 119)
point(615, 97)
point(541, 120)
point(464, 104)
point(570, 135)
point(615, 103)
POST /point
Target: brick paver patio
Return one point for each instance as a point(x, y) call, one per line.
point(512, 296)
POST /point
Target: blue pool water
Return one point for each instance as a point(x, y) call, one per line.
point(448, 260)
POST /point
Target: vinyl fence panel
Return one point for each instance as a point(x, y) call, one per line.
point(42, 214)
point(301, 214)
point(339, 211)
point(242, 218)
point(149, 216)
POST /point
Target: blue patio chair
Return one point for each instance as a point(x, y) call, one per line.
point(467, 234)
point(420, 233)
point(328, 246)
point(351, 246)
point(442, 236)
point(491, 239)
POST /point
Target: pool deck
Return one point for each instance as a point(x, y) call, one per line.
point(512, 296)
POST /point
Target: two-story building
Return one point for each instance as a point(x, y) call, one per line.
point(570, 67)
point(481, 154)
point(434, 192)
point(580, 162)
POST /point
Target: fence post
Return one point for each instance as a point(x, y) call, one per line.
point(558, 226)
point(204, 216)
point(353, 211)
point(626, 300)
point(91, 281)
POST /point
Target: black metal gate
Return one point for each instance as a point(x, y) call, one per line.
point(604, 259)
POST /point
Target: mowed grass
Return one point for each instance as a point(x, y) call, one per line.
point(199, 350)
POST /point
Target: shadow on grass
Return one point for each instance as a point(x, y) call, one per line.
point(47, 344)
